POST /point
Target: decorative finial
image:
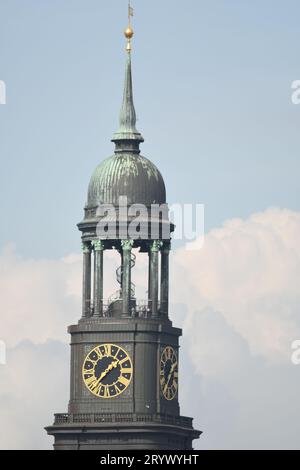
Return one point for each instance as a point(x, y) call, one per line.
point(129, 31)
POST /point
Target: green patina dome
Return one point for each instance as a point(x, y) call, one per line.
point(126, 174)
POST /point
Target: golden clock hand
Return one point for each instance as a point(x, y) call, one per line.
point(95, 384)
point(171, 372)
point(111, 366)
point(169, 377)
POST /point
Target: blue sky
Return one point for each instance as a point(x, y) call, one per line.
point(212, 84)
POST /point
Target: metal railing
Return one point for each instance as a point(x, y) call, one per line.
point(140, 308)
point(95, 418)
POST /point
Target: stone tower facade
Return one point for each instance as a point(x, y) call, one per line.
point(125, 352)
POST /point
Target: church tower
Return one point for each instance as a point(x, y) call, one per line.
point(125, 352)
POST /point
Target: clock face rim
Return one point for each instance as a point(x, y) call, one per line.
point(160, 370)
point(127, 356)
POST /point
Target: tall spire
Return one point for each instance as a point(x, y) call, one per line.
point(128, 137)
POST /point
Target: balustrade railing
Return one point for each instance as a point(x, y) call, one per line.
point(80, 418)
point(140, 308)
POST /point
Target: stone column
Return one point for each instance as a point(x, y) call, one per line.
point(154, 250)
point(149, 281)
point(86, 280)
point(98, 278)
point(164, 279)
point(121, 273)
point(126, 276)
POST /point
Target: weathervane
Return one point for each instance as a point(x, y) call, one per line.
point(129, 31)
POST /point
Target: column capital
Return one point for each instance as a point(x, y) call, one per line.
point(156, 245)
point(127, 244)
point(98, 245)
point(86, 248)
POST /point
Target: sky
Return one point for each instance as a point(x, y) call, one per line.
point(212, 85)
point(212, 88)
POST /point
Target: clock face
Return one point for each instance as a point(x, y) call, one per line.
point(169, 373)
point(107, 370)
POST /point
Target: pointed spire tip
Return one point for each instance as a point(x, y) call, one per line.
point(127, 131)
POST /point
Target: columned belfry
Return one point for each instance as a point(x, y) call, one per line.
point(125, 351)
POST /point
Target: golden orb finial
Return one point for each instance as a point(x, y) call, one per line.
point(128, 32)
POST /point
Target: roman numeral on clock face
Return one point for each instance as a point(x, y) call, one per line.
point(89, 380)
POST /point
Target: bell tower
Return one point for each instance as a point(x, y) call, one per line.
point(125, 352)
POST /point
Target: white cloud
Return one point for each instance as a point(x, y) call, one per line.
point(241, 295)
point(39, 298)
point(249, 271)
point(33, 385)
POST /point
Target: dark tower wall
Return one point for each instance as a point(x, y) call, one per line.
point(140, 417)
point(124, 353)
point(144, 341)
